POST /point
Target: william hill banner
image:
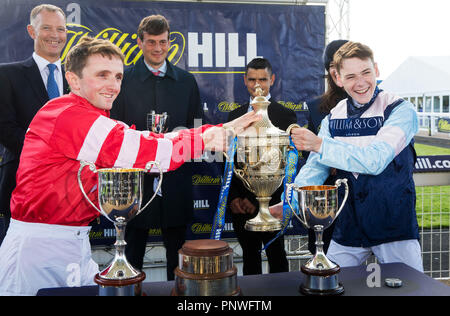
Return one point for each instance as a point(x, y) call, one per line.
point(212, 41)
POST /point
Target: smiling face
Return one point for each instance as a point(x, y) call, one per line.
point(154, 48)
point(358, 77)
point(100, 80)
point(49, 34)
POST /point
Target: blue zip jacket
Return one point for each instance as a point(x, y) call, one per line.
point(371, 146)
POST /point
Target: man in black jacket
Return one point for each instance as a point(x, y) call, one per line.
point(242, 202)
point(154, 84)
point(24, 89)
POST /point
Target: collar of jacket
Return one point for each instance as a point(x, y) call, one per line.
point(144, 73)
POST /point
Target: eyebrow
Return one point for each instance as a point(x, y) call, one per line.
point(353, 74)
point(257, 78)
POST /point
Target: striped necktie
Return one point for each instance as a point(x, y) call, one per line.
point(52, 87)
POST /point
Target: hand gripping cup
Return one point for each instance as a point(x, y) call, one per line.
point(120, 198)
point(318, 208)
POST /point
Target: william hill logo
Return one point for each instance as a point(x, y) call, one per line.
point(205, 228)
point(198, 179)
point(228, 106)
point(205, 52)
point(294, 106)
point(125, 41)
point(225, 106)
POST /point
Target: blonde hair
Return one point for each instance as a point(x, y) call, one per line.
point(78, 55)
point(47, 7)
point(351, 50)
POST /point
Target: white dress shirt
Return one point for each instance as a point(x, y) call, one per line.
point(43, 69)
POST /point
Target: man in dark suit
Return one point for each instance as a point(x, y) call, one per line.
point(154, 84)
point(25, 87)
point(242, 202)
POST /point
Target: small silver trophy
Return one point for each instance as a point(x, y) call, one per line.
point(120, 198)
point(318, 208)
point(157, 123)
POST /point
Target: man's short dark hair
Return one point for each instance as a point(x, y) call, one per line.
point(153, 25)
point(259, 63)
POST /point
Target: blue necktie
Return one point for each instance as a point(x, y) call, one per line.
point(52, 87)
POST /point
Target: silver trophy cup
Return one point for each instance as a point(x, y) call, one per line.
point(120, 198)
point(157, 123)
point(318, 208)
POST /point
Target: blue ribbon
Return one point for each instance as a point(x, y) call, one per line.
point(290, 173)
point(219, 217)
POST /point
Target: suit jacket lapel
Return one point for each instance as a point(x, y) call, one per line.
point(31, 72)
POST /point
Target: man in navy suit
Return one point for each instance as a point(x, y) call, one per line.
point(154, 84)
point(242, 202)
point(25, 87)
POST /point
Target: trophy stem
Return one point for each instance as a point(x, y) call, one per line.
point(320, 260)
point(119, 278)
point(120, 243)
point(318, 230)
point(120, 268)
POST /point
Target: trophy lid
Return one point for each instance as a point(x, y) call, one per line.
point(264, 126)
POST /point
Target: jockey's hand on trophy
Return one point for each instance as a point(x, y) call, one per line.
point(216, 138)
point(241, 123)
point(304, 139)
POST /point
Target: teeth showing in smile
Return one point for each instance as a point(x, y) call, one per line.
point(108, 96)
point(362, 91)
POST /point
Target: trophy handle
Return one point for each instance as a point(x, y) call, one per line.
point(80, 184)
point(149, 166)
point(240, 174)
point(338, 184)
point(287, 194)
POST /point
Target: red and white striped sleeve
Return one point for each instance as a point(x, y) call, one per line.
point(93, 137)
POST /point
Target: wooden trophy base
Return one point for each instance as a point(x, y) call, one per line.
point(206, 269)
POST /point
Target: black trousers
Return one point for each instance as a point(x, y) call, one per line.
point(251, 244)
point(136, 238)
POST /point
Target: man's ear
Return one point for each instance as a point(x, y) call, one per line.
point(73, 81)
point(377, 71)
point(31, 32)
point(339, 80)
point(272, 79)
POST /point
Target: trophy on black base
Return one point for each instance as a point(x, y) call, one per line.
point(120, 198)
point(318, 208)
